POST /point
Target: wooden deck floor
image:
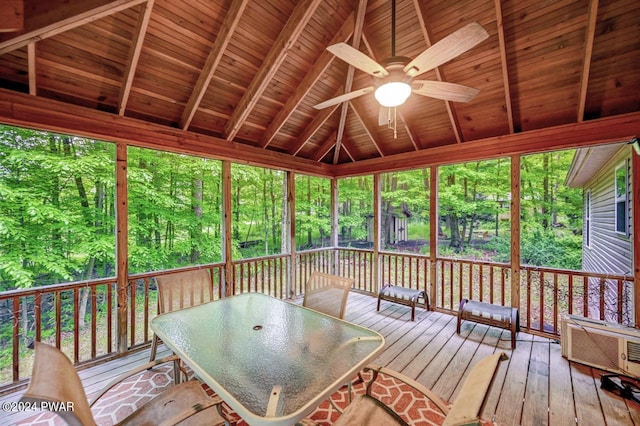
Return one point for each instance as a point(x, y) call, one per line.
point(536, 386)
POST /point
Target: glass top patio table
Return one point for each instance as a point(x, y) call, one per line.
point(272, 361)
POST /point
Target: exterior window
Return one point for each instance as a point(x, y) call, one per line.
point(587, 219)
point(622, 199)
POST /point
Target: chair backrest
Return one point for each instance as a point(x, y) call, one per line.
point(55, 380)
point(327, 293)
point(472, 396)
point(184, 289)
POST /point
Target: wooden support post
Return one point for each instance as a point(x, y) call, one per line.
point(122, 265)
point(515, 231)
point(334, 226)
point(291, 237)
point(228, 282)
point(433, 234)
point(635, 230)
point(377, 200)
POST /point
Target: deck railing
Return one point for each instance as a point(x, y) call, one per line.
point(81, 317)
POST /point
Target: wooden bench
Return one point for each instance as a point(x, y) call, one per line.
point(492, 315)
point(403, 296)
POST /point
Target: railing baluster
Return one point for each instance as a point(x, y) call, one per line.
point(94, 319)
point(603, 284)
point(541, 290)
point(132, 313)
point(15, 337)
point(555, 304)
point(58, 314)
point(570, 294)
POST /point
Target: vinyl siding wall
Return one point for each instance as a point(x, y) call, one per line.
point(609, 251)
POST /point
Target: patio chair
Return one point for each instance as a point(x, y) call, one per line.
point(55, 381)
point(181, 290)
point(366, 409)
point(327, 293)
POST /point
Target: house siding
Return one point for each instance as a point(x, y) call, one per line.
point(609, 251)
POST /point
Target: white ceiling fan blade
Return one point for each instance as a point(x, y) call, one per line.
point(342, 98)
point(357, 59)
point(445, 91)
point(446, 49)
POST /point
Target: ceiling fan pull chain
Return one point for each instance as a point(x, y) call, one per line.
point(395, 124)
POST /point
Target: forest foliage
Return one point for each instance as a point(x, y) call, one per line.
point(57, 210)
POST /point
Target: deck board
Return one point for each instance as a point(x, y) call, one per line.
point(535, 386)
point(561, 407)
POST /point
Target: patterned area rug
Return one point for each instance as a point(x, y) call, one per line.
point(136, 391)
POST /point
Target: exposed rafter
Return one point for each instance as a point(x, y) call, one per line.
point(368, 128)
point(307, 83)
point(361, 10)
point(422, 14)
point(222, 40)
point(134, 54)
point(287, 37)
point(503, 64)
point(326, 146)
point(312, 128)
point(588, 51)
point(55, 20)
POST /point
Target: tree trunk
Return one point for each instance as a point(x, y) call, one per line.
point(196, 209)
point(545, 192)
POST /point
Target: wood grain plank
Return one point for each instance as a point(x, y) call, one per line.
point(561, 412)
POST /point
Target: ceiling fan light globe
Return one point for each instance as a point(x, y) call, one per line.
point(392, 94)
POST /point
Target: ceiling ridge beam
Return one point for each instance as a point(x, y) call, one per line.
point(586, 61)
point(504, 64)
point(361, 11)
point(453, 118)
point(223, 38)
point(286, 39)
point(305, 86)
point(68, 23)
point(134, 54)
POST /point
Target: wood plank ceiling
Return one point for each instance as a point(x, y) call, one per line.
point(250, 72)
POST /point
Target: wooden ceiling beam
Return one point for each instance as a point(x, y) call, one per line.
point(586, 61)
point(421, 13)
point(411, 134)
point(35, 112)
point(504, 64)
point(367, 127)
point(305, 86)
point(134, 54)
point(326, 146)
point(320, 118)
point(47, 19)
point(213, 60)
point(361, 10)
point(286, 39)
point(619, 128)
point(20, 109)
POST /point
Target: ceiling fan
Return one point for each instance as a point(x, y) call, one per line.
point(395, 76)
